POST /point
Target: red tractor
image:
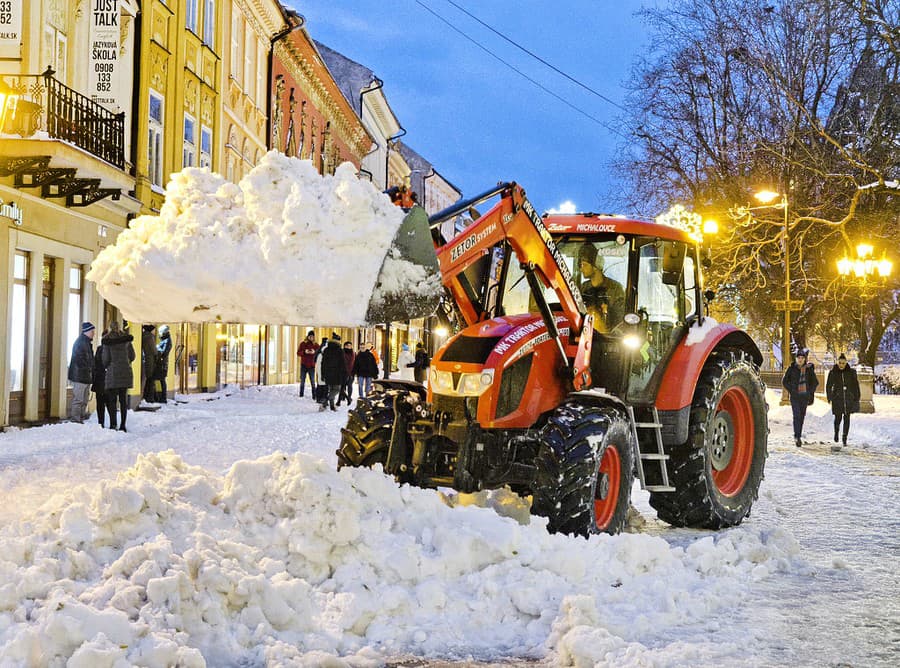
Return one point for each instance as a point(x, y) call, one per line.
point(584, 359)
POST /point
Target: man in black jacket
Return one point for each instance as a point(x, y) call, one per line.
point(842, 391)
point(800, 381)
point(334, 369)
point(81, 372)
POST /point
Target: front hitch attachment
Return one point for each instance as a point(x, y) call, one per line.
point(398, 451)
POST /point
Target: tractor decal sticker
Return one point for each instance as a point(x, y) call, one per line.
point(511, 339)
point(470, 242)
point(554, 252)
point(526, 348)
point(595, 227)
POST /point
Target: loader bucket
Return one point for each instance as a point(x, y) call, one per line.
point(408, 284)
point(285, 246)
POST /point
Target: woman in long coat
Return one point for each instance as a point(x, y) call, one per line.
point(842, 390)
point(118, 354)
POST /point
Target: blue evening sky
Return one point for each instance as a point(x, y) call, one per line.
point(479, 122)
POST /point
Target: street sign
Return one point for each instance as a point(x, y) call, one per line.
point(796, 304)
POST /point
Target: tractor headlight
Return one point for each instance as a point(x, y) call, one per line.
point(441, 381)
point(475, 384)
point(632, 341)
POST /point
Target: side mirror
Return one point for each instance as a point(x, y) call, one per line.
point(709, 295)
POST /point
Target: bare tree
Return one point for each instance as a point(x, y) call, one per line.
point(799, 97)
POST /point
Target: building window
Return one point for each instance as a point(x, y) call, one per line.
point(190, 9)
point(155, 140)
point(237, 43)
point(73, 327)
point(250, 65)
point(55, 51)
point(19, 330)
point(189, 152)
point(206, 147)
point(209, 23)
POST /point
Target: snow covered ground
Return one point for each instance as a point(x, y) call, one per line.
point(217, 532)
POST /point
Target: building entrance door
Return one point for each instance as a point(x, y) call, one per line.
point(45, 345)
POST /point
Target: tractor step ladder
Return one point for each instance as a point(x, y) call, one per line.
point(659, 456)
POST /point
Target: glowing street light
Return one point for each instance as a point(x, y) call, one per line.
point(8, 101)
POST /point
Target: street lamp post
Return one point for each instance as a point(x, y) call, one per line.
point(863, 270)
point(766, 196)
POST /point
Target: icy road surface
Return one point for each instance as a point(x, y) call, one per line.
point(218, 553)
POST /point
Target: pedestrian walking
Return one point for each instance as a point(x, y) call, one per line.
point(422, 362)
point(81, 372)
point(334, 371)
point(347, 387)
point(163, 348)
point(118, 354)
point(306, 351)
point(98, 383)
point(842, 392)
point(800, 381)
point(406, 362)
point(148, 363)
point(365, 368)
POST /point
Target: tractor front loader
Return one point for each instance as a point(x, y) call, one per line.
point(583, 360)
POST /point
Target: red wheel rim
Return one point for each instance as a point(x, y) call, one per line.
point(736, 404)
point(611, 466)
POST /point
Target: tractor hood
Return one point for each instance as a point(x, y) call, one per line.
point(496, 343)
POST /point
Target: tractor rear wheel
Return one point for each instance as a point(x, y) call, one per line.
point(366, 438)
point(585, 470)
point(717, 472)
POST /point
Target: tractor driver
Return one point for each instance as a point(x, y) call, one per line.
point(603, 297)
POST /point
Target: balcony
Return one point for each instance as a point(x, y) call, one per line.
point(56, 139)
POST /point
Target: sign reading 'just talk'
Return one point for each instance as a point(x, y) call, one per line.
point(105, 67)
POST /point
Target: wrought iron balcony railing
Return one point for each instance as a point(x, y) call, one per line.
point(42, 104)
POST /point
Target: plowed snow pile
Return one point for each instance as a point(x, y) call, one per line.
point(284, 246)
point(283, 561)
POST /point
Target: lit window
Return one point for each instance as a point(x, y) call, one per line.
point(190, 147)
point(155, 140)
point(237, 43)
point(73, 327)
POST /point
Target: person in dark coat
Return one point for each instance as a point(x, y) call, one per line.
point(148, 362)
point(118, 354)
point(842, 391)
point(347, 387)
point(365, 368)
point(421, 364)
point(98, 384)
point(334, 370)
point(81, 372)
point(163, 348)
point(800, 381)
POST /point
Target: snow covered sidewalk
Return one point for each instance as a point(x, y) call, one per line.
point(217, 532)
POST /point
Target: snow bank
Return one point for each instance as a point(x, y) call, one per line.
point(284, 246)
point(283, 561)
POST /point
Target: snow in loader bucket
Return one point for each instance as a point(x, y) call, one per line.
point(285, 246)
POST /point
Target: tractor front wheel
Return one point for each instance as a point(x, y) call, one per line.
point(717, 472)
point(366, 438)
point(585, 470)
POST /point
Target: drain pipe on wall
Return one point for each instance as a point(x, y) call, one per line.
point(289, 16)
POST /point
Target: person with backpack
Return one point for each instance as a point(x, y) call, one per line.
point(421, 364)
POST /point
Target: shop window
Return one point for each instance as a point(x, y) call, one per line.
point(209, 23)
point(19, 329)
point(73, 326)
point(155, 139)
point(189, 150)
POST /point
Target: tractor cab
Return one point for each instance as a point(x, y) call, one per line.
point(642, 289)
